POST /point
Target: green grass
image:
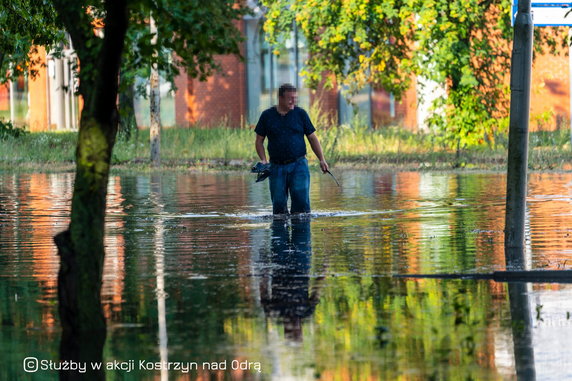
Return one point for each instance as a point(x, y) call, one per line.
point(39, 147)
point(179, 145)
point(355, 146)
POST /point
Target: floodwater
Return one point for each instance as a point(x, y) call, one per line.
point(199, 276)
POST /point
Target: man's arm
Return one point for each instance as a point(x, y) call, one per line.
point(259, 144)
point(317, 148)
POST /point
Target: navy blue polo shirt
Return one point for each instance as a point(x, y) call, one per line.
point(285, 133)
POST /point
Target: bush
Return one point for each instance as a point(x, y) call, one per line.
point(7, 129)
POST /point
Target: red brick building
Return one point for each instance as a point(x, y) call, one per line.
point(237, 95)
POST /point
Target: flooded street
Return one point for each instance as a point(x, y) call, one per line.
point(197, 273)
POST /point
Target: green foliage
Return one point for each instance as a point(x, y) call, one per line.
point(359, 41)
point(463, 46)
point(24, 25)
point(7, 130)
point(189, 34)
point(461, 122)
point(542, 119)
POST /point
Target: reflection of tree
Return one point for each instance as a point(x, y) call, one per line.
point(437, 329)
point(460, 223)
point(132, 310)
point(159, 253)
point(285, 292)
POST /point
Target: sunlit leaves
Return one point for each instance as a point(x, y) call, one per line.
point(461, 45)
point(358, 41)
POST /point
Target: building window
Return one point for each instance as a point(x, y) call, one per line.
point(357, 109)
point(282, 68)
point(14, 101)
point(267, 71)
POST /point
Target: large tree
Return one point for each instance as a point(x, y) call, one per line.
point(193, 30)
point(463, 46)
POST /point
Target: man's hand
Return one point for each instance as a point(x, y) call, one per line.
point(317, 148)
point(259, 145)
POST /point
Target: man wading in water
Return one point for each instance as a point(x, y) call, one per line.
point(285, 126)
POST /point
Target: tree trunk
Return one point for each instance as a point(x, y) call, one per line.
point(155, 106)
point(81, 247)
point(127, 120)
point(82, 254)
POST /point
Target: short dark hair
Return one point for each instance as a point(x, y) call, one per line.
point(286, 87)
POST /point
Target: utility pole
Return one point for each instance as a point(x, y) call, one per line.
point(520, 75)
point(155, 104)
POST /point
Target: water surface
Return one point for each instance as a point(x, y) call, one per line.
point(197, 272)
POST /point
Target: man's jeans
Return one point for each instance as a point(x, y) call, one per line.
point(293, 178)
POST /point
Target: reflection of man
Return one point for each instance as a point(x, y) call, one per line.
point(285, 126)
point(285, 292)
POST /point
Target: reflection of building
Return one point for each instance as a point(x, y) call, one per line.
point(113, 286)
point(39, 197)
point(40, 206)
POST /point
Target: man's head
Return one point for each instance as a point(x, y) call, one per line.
point(287, 97)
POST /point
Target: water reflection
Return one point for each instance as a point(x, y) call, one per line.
point(285, 290)
point(159, 253)
point(522, 332)
point(311, 299)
